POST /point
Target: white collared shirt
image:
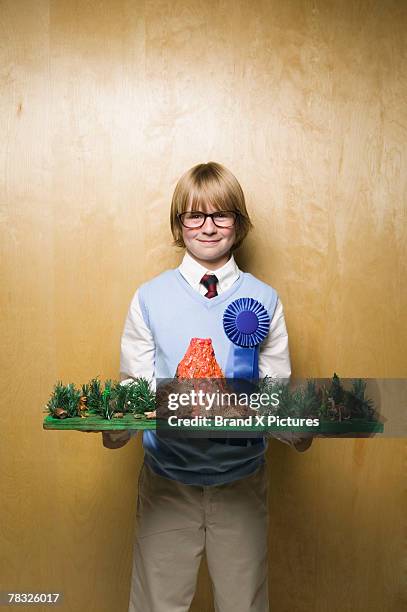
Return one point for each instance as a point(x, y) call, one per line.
point(137, 352)
point(192, 271)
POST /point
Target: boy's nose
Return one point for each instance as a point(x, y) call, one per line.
point(208, 225)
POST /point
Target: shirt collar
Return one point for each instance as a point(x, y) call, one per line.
point(192, 271)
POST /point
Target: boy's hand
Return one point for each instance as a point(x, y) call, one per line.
point(112, 438)
point(300, 441)
point(303, 443)
point(115, 439)
point(151, 415)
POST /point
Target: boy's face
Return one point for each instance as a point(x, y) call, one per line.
point(209, 245)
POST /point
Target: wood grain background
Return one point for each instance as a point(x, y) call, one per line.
point(104, 104)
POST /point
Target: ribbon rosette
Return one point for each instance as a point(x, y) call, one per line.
point(246, 323)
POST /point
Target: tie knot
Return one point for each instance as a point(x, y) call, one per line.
point(209, 281)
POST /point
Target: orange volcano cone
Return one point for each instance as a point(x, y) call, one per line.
point(199, 361)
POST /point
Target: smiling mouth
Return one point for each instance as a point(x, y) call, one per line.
point(210, 241)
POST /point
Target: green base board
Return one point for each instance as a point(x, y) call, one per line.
point(97, 423)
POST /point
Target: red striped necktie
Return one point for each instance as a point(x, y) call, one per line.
point(209, 281)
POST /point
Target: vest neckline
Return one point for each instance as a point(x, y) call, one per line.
point(218, 299)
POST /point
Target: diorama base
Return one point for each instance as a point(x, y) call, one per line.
point(97, 423)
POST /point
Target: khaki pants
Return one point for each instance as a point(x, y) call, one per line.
point(176, 522)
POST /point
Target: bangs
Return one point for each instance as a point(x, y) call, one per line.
point(206, 194)
point(203, 193)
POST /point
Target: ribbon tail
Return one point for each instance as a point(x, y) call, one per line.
point(242, 366)
point(243, 362)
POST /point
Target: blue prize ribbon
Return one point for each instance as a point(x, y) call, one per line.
point(246, 323)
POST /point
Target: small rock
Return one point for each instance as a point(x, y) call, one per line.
point(60, 413)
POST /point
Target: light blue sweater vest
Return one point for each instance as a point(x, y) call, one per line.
point(175, 313)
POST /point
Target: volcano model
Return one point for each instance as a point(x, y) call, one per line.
point(199, 361)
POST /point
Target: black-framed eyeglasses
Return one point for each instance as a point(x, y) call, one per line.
point(196, 218)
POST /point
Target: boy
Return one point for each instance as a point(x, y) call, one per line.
point(200, 494)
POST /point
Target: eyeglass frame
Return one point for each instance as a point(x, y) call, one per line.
point(211, 215)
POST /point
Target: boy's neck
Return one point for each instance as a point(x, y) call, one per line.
point(212, 264)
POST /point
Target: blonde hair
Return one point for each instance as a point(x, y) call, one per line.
point(212, 184)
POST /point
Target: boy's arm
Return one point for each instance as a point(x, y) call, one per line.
point(274, 355)
point(137, 347)
point(137, 358)
point(274, 361)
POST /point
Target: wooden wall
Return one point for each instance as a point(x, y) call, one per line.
point(104, 105)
